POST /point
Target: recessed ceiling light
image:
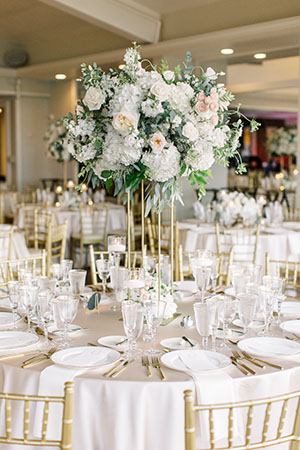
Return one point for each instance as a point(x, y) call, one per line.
point(60, 76)
point(121, 66)
point(227, 51)
point(1, 110)
point(260, 56)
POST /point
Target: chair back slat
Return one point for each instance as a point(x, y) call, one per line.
point(290, 270)
point(230, 427)
point(8, 422)
point(26, 419)
point(243, 241)
point(211, 428)
point(266, 422)
point(45, 420)
point(249, 424)
point(282, 419)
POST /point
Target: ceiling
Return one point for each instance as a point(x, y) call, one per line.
point(58, 39)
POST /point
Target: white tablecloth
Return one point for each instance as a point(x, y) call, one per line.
point(132, 411)
point(19, 248)
point(281, 243)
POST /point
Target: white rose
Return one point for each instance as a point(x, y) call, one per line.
point(160, 90)
point(210, 74)
point(94, 98)
point(124, 121)
point(190, 131)
point(157, 141)
point(169, 75)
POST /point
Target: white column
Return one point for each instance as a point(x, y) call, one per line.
point(298, 150)
point(18, 130)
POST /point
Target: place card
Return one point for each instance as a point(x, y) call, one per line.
point(94, 302)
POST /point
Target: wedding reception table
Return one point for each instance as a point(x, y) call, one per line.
point(19, 248)
point(133, 411)
point(281, 242)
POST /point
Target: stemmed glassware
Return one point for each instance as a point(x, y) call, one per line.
point(227, 310)
point(204, 317)
point(154, 314)
point(149, 264)
point(67, 307)
point(103, 267)
point(267, 300)
point(66, 266)
point(215, 320)
point(277, 285)
point(246, 308)
point(57, 273)
point(239, 279)
point(132, 325)
point(44, 311)
point(119, 277)
point(202, 277)
point(115, 246)
point(14, 298)
point(28, 297)
point(77, 279)
point(214, 275)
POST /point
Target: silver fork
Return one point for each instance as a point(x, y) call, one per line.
point(156, 365)
point(146, 363)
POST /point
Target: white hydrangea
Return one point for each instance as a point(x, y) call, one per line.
point(164, 165)
point(180, 96)
point(118, 149)
point(151, 108)
point(82, 153)
point(201, 157)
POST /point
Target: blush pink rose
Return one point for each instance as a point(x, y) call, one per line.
point(213, 106)
point(214, 96)
point(200, 97)
point(201, 107)
point(214, 120)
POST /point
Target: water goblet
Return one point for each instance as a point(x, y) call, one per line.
point(77, 280)
point(155, 311)
point(277, 285)
point(14, 298)
point(129, 314)
point(115, 246)
point(28, 297)
point(103, 267)
point(66, 266)
point(67, 306)
point(204, 317)
point(215, 320)
point(56, 271)
point(119, 277)
point(246, 307)
point(202, 276)
point(227, 310)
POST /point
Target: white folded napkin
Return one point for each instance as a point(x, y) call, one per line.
point(272, 346)
point(290, 309)
point(52, 380)
point(213, 387)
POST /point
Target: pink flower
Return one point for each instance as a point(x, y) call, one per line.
point(214, 120)
point(200, 97)
point(201, 107)
point(213, 106)
point(214, 95)
point(144, 296)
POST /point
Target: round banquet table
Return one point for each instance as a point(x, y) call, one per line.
point(131, 411)
point(281, 242)
point(116, 218)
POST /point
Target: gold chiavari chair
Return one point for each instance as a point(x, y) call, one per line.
point(10, 269)
point(290, 270)
point(56, 244)
point(64, 443)
point(43, 221)
point(185, 268)
point(276, 426)
point(2, 215)
point(291, 214)
point(93, 228)
point(6, 242)
point(243, 241)
point(135, 260)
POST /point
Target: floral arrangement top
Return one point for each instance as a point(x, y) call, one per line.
point(234, 205)
point(283, 141)
point(156, 124)
point(56, 141)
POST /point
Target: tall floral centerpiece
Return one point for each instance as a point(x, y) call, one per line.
point(145, 122)
point(282, 142)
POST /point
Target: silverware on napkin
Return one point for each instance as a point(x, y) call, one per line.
point(39, 358)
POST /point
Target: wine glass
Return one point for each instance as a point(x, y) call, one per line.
point(247, 306)
point(204, 317)
point(277, 285)
point(77, 280)
point(202, 277)
point(67, 306)
point(155, 311)
point(267, 300)
point(103, 267)
point(239, 279)
point(119, 277)
point(215, 320)
point(44, 311)
point(115, 246)
point(138, 330)
point(215, 273)
point(56, 270)
point(28, 296)
point(227, 312)
point(14, 298)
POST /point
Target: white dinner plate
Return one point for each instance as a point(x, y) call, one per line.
point(85, 357)
point(230, 291)
point(7, 319)
point(185, 286)
point(195, 360)
point(291, 225)
point(291, 326)
point(16, 339)
point(255, 325)
point(112, 341)
point(177, 343)
point(269, 346)
point(5, 303)
point(290, 309)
